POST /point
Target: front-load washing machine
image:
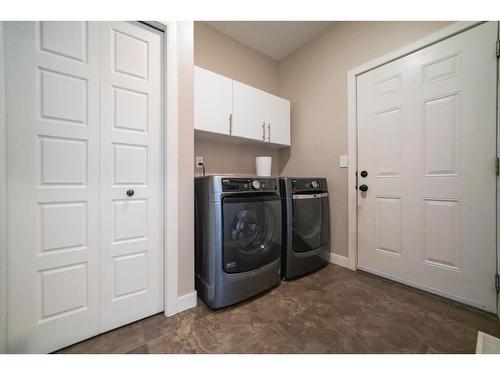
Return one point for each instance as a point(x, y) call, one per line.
point(237, 237)
point(306, 226)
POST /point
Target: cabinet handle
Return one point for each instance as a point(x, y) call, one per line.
point(269, 132)
point(264, 131)
point(230, 123)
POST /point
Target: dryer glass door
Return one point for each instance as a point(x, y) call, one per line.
point(311, 221)
point(252, 231)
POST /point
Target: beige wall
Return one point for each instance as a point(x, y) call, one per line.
point(314, 79)
point(221, 54)
point(223, 157)
point(185, 157)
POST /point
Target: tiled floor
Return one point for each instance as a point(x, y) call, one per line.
point(332, 311)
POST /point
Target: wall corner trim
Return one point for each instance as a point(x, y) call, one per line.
point(171, 172)
point(186, 301)
point(342, 261)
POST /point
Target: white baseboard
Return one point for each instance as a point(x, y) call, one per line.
point(341, 260)
point(186, 302)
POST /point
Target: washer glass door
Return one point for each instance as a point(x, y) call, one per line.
point(252, 231)
point(311, 221)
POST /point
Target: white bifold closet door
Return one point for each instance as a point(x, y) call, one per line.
point(427, 139)
point(131, 226)
point(84, 127)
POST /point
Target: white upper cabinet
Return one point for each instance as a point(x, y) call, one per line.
point(228, 107)
point(213, 101)
point(249, 113)
point(277, 120)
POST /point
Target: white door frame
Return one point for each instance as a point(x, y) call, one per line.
point(352, 129)
point(170, 163)
point(3, 200)
point(171, 170)
point(171, 176)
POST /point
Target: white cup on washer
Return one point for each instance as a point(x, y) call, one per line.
point(263, 165)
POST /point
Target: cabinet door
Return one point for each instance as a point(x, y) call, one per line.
point(248, 112)
point(277, 120)
point(213, 101)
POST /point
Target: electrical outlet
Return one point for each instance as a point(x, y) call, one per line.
point(198, 161)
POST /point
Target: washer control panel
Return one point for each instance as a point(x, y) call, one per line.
point(249, 184)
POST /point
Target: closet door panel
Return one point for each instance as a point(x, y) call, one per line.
point(52, 184)
point(131, 174)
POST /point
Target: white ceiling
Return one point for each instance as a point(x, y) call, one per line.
point(276, 39)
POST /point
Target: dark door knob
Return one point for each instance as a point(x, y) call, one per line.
point(364, 173)
point(363, 188)
point(130, 192)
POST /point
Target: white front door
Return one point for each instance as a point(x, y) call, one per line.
point(83, 126)
point(131, 162)
point(427, 141)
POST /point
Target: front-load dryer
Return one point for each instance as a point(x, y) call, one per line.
point(306, 226)
point(237, 237)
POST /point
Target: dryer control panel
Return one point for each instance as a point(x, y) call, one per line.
point(305, 184)
point(249, 184)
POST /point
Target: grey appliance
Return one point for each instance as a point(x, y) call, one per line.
point(306, 225)
point(237, 237)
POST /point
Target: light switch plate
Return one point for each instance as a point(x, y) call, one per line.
point(343, 161)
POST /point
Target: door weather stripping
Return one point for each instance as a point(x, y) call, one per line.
point(498, 48)
point(497, 282)
point(497, 166)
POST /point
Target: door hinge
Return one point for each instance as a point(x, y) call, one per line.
point(498, 48)
point(497, 282)
point(497, 166)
